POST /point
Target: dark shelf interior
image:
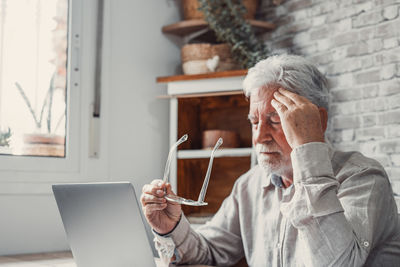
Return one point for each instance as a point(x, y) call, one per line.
point(196, 115)
point(191, 173)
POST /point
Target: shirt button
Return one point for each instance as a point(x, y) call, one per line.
point(366, 244)
point(278, 245)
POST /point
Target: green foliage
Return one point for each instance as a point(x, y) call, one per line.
point(226, 19)
point(47, 102)
point(5, 137)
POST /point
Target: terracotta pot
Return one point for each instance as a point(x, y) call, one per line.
point(44, 139)
point(44, 145)
point(210, 138)
point(190, 9)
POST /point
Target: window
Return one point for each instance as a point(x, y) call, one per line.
point(33, 77)
point(56, 64)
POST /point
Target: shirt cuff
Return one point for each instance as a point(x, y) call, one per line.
point(165, 247)
point(167, 244)
point(168, 234)
point(311, 160)
point(181, 231)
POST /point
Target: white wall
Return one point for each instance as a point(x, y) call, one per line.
point(139, 53)
point(134, 124)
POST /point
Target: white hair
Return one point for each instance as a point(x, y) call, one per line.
point(293, 73)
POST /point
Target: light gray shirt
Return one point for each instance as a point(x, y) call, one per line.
point(340, 211)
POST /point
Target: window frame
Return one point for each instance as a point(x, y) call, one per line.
point(10, 164)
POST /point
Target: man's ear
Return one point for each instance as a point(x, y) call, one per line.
point(324, 118)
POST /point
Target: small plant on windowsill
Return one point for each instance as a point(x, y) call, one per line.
point(226, 19)
point(5, 137)
point(49, 137)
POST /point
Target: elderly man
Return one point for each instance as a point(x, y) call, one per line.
point(304, 204)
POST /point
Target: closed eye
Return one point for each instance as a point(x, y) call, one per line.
point(275, 119)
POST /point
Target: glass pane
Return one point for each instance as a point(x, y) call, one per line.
point(33, 74)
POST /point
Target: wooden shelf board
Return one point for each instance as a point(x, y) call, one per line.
point(223, 152)
point(219, 74)
point(186, 27)
point(233, 92)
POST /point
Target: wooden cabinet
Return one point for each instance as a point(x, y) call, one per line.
point(208, 102)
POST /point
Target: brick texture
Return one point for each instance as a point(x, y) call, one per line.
point(357, 45)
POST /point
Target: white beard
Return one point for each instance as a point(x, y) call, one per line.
point(280, 170)
point(275, 163)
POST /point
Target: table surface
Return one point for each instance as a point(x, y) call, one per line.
point(53, 259)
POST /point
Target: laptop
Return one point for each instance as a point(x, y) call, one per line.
point(104, 224)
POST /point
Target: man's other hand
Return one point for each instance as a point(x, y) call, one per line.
point(161, 214)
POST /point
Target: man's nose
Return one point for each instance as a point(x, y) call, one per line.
point(263, 133)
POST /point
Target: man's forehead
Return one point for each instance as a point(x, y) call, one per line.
point(263, 101)
point(262, 94)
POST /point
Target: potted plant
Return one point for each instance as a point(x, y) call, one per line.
point(227, 19)
point(43, 143)
point(5, 137)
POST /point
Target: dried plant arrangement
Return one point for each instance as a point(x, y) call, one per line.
point(226, 19)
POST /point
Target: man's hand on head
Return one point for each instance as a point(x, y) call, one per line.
point(300, 119)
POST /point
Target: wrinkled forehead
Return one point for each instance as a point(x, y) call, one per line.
point(260, 103)
point(263, 94)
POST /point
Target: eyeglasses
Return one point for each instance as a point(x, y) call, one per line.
point(202, 195)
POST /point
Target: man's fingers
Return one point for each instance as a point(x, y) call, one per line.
point(297, 99)
point(150, 199)
point(155, 188)
point(283, 99)
point(278, 106)
point(150, 189)
point(169, 189)
point(150, 208)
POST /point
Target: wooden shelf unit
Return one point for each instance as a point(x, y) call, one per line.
point(205, 102)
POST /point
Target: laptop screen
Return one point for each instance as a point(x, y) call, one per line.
point(104, 224)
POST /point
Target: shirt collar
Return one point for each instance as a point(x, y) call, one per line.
point(272, 179)
point(266, 181)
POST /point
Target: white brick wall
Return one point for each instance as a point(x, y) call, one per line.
point(357, 45)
